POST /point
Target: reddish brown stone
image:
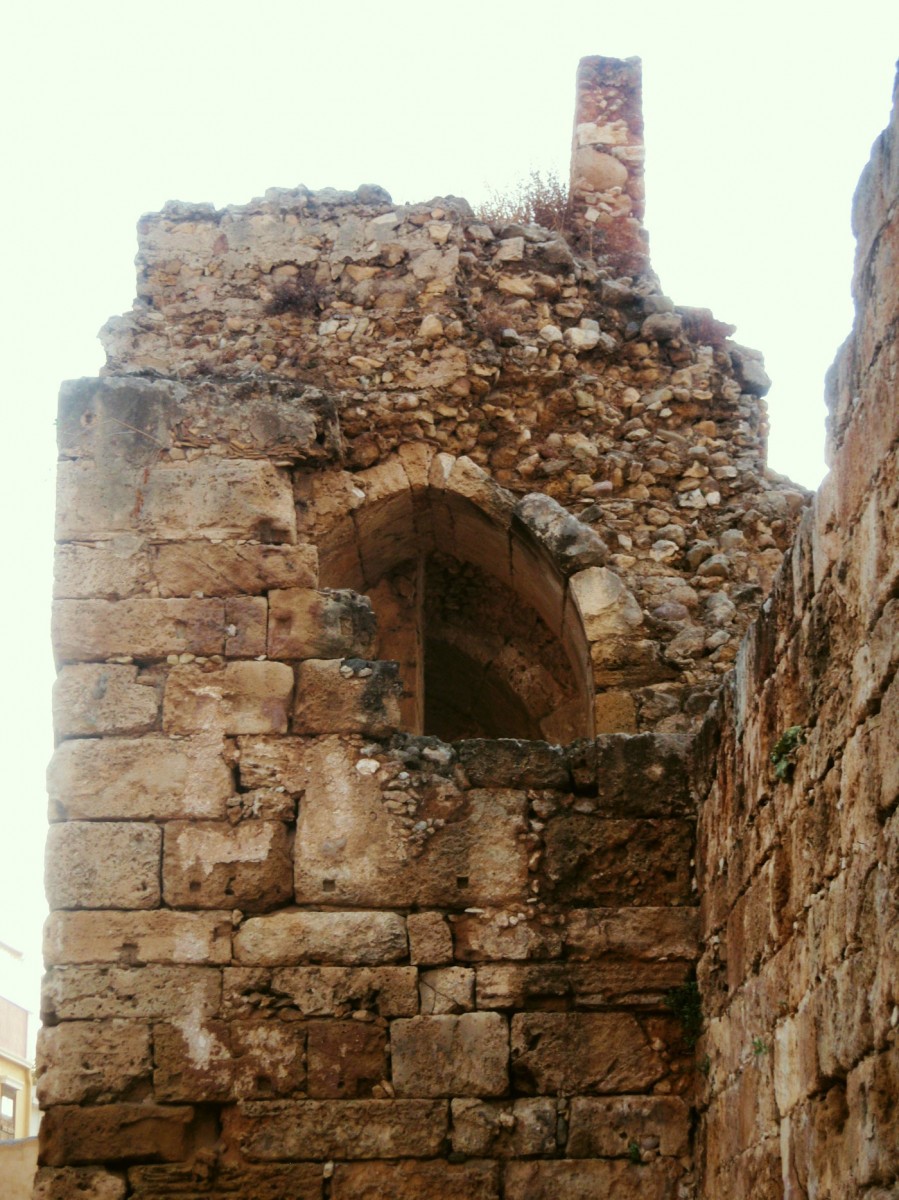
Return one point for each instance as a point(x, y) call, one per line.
point(415, 1181)
point(346, 1059)
point(115, 1133)
point(568, 1053)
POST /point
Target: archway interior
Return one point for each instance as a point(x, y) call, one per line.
point(475, 615)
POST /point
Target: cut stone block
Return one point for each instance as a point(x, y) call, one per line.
point(352, 849)
point(298, 1181)
point(651, 933)
point(415, 1181)
point(346, 1059)
point(246, 626)
point(504, 1129)
point(304, 623)
point(210, 864)
point(91, 1061)
point(87, 1183)
point(240, 697)
point(231, 568)
point(151, 993)
point(448, 990)
point(322, 1129)
point(216, 1060)
point(152, 778)
point(568, 1053)
point(134, 938)
point(347, 696)
point(103, 865)
point(141, 628)
point(115, 1133)
point(598, 1177)
point(352, 938)
point(466, 1055)
point(322, 991)
point(480, 937)
point(94, 698)
point(430, 940)
point(605, 1127)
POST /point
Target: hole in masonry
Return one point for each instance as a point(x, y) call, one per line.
point(328, 885)
point(194, 885)
point(462, 881)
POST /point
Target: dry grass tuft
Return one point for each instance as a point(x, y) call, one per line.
point(540, 199)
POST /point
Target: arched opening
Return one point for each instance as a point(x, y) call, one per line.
point(472, 607)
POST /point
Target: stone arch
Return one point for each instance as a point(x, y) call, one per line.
point(471, 594)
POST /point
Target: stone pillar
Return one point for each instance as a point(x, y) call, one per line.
point(607, 192)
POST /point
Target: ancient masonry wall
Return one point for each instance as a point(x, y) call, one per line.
point(798, 838)
point(400, 556)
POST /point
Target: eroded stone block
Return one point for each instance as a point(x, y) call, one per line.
point(448, 990)
point(298, 1181)
point(85, 1183)
point(210, 864)
point(91, 1061)
point(321, 991)
point(239, 697)
point(103, 864)
point(430, 940)
point(152, 778)
point(416, 1181)
point(151, 993)
point(597, 1177)
point(504, 1129)
point(134, 938)
point(304, 623)
point(94, 698)
point(466, 1055)
point(346, 1059)
point(115, 1133)
point(568, 1053)
point(202, 1061)
point(142, 628)
point(352, 938)
point(347, 696)
point(606, 1127)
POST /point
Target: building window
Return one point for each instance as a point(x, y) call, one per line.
point(8, 1097)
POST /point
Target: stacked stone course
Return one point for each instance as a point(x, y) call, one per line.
point(399, 558)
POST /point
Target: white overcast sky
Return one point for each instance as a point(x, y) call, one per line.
point(759, 118)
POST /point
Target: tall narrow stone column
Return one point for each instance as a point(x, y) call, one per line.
point(607, 192)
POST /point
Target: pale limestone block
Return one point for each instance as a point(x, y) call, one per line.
point(211, 498)
point(284, 939)
point(93, 1061)
point(141, 628)
point(594, 171)
point(151, 778)
point(210, 864)
point(239, 697)
point(465, 1055)
point(306, 623)
point(147, 993)
point(604, 1126)
point(363, 1129)
point(103, 698)
point(229, 568)
point(216, 1060)
point(134, 938)
point(482, 937)
point(504, 1129)
point(111, 570)
point(103, 865)
point(568, 1053)
point(246, 626)
point(351, 849)
point(270, 762)
point(605, 605)
point(447, 990)
point(430, 940)
point(335, 696)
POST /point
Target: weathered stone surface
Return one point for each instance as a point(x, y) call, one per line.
point(91, 699)
point(346, 696)
point(346, 1059)
point(448, 990)
point(480, 937)
point(504, 1129)
point(104, 864)
point(430, 940)
point(87, 1183)
point(305, 623)
point(208, 498)
point(586, 1180)
point(466, 1055)
point(150, 993)
point(239, 697)
point(210, 864)
point(508, 763)
point(321, 991)
point(607, 1127)
point(651, 933)
point(356, 938)
point(326, 1129)
point(141, 628)
point(115, 1133)
point(605, 861)
point(134, 938)
point(108, 570)
point(610, 983)
point(94, 1061)
point(568, 1053)
point(351, 848)
point(151, 778)
point(216, 1060)
point(298, 1181)
point(416, 1181)
point(230, 568)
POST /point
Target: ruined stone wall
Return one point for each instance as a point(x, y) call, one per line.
point(798, 839)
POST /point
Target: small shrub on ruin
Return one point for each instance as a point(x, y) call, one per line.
point(540, 199)
point(301, 294)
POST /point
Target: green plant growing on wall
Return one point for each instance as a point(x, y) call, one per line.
point(686, 1004)
point(633, 1152)
point(759, 1046)
point(783, 753)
